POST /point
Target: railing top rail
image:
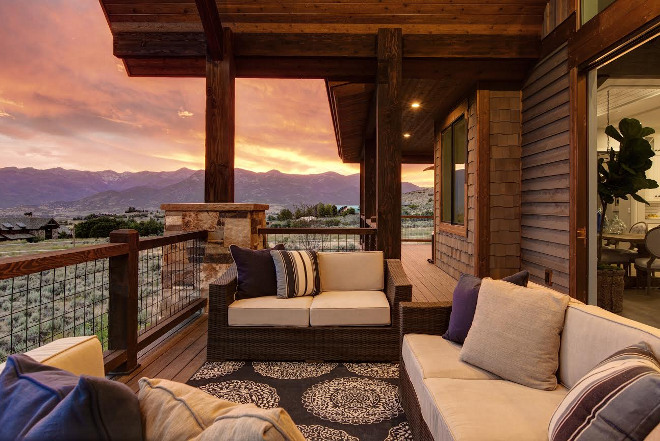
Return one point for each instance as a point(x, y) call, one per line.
point(348, 231)
point(416, 216)
point(34, 263)
point(170, 239)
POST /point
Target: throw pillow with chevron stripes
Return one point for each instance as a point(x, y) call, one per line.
point(617, 400)
point(297, 273)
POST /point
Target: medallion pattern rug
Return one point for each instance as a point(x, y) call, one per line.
point(328, 401)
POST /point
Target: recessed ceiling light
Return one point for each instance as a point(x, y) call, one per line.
point(406, 135)
point(415, 105)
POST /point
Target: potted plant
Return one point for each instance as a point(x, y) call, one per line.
point(623, 174)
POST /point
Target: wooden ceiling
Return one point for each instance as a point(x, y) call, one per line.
point(448, 46)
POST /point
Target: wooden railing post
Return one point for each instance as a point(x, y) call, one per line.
point(123, 302)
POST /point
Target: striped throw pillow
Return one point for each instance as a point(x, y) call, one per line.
point(297, 273)
point(617, 400)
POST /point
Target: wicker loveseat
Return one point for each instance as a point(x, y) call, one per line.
point(313, 341)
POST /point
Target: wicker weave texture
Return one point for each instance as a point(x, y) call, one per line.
point(420, 430)
point(345, 343)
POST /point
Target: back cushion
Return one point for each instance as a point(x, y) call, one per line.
point(353, 271)
point(592, 334)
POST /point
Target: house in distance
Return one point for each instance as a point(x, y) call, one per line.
point(27, 228)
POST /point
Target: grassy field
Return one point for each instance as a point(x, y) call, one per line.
point(21, 247)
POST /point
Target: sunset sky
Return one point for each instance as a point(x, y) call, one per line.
point(66, 101)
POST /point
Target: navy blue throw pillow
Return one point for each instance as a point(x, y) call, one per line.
point(464, 304)
point(39, 402)
point(256, 272)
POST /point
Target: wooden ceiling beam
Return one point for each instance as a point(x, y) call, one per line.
point(208, 13)
point(186, 7)
point(477, 69)
point(187, 44)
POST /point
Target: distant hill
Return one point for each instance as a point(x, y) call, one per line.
point(73, 191)
point(29, 186)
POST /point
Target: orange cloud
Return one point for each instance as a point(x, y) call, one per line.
point(66, 101)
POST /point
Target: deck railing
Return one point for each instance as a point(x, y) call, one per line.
point(129, 293)
point(416, 228)
point(321, 239)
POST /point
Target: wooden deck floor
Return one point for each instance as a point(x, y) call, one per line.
point(430, 283)
point(182, 354)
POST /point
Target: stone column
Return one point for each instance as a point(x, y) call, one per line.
point(226, 223)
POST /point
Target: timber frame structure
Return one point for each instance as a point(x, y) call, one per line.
point(519, 64)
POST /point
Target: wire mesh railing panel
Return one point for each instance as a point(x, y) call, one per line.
point(416, 228)
point(316, 241)
point(38, 308)
point(169, 278)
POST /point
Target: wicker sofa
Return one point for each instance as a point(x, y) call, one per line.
point(323, 340)
point(447, 399)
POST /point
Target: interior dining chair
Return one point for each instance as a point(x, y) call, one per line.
point(624, 253)
point(649, 265)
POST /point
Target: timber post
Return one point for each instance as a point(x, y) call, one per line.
point(389, 139)
point(220, 124)
point(123, 299)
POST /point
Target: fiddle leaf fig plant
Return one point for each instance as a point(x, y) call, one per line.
point(623, 174)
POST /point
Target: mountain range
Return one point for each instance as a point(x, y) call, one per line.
point(59, 190)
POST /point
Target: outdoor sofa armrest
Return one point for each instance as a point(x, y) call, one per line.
point(397, 286)
point(424, 317)
point(221, 294)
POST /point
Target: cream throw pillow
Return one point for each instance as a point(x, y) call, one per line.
point(174, 411)
point(516, 333)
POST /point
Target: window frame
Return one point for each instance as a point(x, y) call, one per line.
point(460, 112)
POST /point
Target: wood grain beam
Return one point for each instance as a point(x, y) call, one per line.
point(359, 70)
point(370, 180)
point(184, 44)
point(220, 125)
point(417, 158)
point(482, 189)
point(478, 69)
point(389, 141)
point(208, 13)
point(607, 31)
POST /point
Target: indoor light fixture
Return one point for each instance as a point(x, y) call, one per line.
point(406, 135)
point(415, 105)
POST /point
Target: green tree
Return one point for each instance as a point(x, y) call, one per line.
point(285, 215)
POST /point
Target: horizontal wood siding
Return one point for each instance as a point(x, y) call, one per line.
point(546, 171)
point(454, 254)
point(505, 153)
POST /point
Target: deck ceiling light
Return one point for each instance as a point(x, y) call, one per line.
point(415, 105)
point(406, 135)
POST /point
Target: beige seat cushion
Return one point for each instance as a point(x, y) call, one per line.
point(174, 411)
point(431, 356)
point(270, 311)
point(592, 334)
point(350, 308)
point(497, 410)
point(354, 271)
point(516, 333)
point(78, 355)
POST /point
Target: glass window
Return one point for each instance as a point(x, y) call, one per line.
point(453, 150)
point(591, 8)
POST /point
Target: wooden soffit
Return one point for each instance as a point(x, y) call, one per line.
point(166, 37)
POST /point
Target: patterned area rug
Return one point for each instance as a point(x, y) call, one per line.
point(328, 401)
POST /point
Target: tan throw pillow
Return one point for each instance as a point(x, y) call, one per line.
point(174, 411)
point(516, 333)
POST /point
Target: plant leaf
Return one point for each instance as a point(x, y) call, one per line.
point(630, 128)
point(646, 131)
point(613, 133)
point(638, 198)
